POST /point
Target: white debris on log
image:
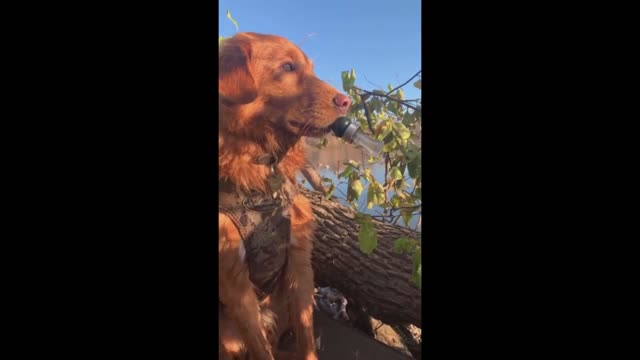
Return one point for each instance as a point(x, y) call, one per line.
point(332, 302)
point(416, 333)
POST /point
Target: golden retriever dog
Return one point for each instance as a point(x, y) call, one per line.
point(269, 100)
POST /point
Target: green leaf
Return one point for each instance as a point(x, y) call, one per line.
point(354, 189)
point(220, 39)
point(395, 201)
point(411, 152)
point(323, 143)
point(402, 131)
point(348, 79)
point(353, 163)
point(384, 129)
point(418, 84)
point(367, 175)
point(330, 191)
point(347, 172)
point(405, 133)
point(356, 185)
point(232, 20)
point(370, 200)
point(398, 184)
point(416, 275)
point(394, 107)
point(407, 215)
point(370, 193)
point(388, 147)
point(408, 118)
point(367, 237)
point(403, 168)
point(405, 244)
point(415, 166)
point(376, 104)
point(378, 193)
point(375, 194)
point(387, 139)
point(346, 85)
point(396, 174)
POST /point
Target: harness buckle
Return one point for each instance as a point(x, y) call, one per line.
point(261, 203)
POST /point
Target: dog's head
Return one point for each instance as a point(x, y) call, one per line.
point(265, 82)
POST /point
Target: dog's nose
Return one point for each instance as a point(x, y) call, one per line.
point(343, 102)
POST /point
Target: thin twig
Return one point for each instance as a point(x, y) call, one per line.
point(386, 169)
point(415, 186)
point(405, 83)
point(365, 77)
point(311, 174)
point(379, 218)
point(388, 97)
point(414, 207)
point(308, 36)
point(366, 112)
point(387, 163)
point(337, 189)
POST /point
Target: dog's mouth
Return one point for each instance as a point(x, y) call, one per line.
point(306, 129)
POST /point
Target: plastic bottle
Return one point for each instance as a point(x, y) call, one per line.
point(349, 130)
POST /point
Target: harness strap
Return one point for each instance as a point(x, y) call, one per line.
point(264, 223)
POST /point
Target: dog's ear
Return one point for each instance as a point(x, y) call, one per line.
point(235, 82)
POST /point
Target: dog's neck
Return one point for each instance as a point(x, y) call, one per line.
point(238, 157)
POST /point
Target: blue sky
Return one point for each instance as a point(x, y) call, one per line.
point(381, 39)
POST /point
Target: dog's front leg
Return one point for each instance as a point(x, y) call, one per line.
point(299, 277)
point(237, 294)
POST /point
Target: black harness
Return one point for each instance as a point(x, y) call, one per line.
point(264, 223)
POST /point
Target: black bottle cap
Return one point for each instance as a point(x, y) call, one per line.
point(340, 125)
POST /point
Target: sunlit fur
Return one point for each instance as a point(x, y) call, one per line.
point(260, 104)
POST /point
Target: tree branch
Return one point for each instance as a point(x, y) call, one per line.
point(388, 97)
point(366, 113)
point(365, 76)
point(311, 174)
point(405, 83)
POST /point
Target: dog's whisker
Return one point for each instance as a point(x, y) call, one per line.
point(306, 126)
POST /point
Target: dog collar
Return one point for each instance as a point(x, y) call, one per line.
point(267, 159)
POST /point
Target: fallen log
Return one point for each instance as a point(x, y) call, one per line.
point(381, 281)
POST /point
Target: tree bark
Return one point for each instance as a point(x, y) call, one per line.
point(315, 180)
point(381, 282)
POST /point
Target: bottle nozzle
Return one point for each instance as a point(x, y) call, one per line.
point(372, 146)
point(350, 131)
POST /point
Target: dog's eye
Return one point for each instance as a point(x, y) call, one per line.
point(288, 67)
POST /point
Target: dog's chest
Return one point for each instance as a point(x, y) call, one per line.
point(266, 250)
point(266, 235)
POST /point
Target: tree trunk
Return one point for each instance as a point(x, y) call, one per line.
point(381, 282)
